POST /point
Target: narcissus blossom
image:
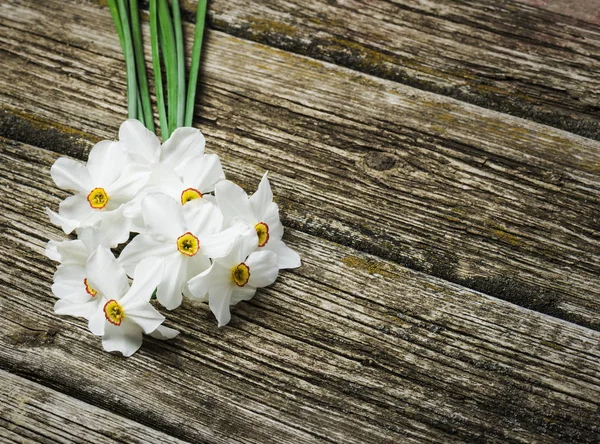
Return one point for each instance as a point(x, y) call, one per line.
point(101, 188)
point(234, 277)
point(260, 212)
point(146, 151)
point(124, 312)
point(184, 237)
point(199, 235)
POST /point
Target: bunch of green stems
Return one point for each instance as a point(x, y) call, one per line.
point(166, 37)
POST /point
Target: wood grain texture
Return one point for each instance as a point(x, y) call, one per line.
point(32, 413)
point(581, 9)
point(503, 55)
point(347, 348)
point(492, 202)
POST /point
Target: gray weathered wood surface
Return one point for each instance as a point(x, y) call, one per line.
point(502, 55)
point(495, 203)
point(26, 405)
point(421, 220)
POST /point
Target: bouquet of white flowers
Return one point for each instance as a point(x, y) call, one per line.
point(198, 234)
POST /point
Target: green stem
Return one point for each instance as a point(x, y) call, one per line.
point(129, 61)
point(114, 11)
point(195, 65)
point(138, 100)
point(145, 110)
point(160, 99)
point(180, 63)
point(170, 59)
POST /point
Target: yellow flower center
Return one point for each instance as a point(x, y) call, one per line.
point(97, 198)
point(240, 274)
point(114, 312)
point(262, 229)
point(190, 194)
point(89, 290)
point(188, 244)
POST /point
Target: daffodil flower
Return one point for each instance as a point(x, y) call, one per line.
point(102, 187)
point(185, 237)
point(260, 212)
point(234, 277)
point(124, 312)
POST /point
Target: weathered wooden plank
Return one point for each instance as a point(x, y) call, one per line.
point(486, 200)
point(502, 55)
point(347, 348)
point(32, 413)
point(581, 9)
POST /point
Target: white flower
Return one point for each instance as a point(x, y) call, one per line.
point(102, 187)
point(199, 177)
point(179, 168)
point(145, 149)
point(185, 237)
point(76, 297)
point(235, 277)
point(260, 212)
point(125, 312)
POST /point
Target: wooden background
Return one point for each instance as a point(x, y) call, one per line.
point(437, 166)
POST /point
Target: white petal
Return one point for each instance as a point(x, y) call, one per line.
point(286, 257)
point(263, 268)
point(97, 321)
point(73, 252)
point(233, 202)
point(69, 283)
point(195, 265)
point(51, 251)
point(263, 197)
point(244, 293)
point(164, 175)
point(218, 245)
point(70, 273)
point(164, 333)
point(171, 286)
point(197, 287)
point(131, 181)
point(203, 173)
point(105, 275)
point(219, 298)
point(83, 310)
point(143, 314)
point(162, 217)
point(77, 208)
point(71, 175)
point(184, 144)
point(202, 217)
point(92, 238)
point(105, 163)
point(148, 274)
point(115, 227)
point(141, 247)
point(139, 142)
point(271, 218)
point(125, 338)
point(67, 225)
